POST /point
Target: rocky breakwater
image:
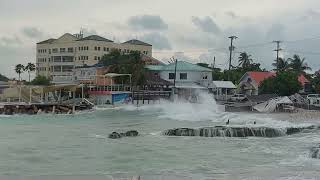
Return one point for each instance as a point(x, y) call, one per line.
point(315, 152)
point(226, 131)
point(116, 135)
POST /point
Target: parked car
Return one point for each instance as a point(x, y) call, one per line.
point(238, 97)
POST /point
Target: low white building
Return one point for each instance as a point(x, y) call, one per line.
point(222, 90)
point(188, 75)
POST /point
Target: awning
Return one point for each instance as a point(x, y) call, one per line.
point(189, 85)
point(222, 84)
point(112, 75)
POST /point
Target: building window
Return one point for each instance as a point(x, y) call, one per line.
point(104, 49)
point(70, 49)
point(87, 48)
point(62, 49)
point(79, 58)
point(183, 76)
point(87, 58)
point(55, 50)
point(95, 58)
point(171, 75)
point(99, 58)
point(79, 48)
point(107, 49)
point(98, 48)
point(205, 77)
point(95, 48)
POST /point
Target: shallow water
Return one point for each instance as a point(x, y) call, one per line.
point(77, 145)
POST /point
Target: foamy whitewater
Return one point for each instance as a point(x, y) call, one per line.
point(77, 145)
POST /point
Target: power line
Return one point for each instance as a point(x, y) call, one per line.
point(305, 39)
point(303, 52)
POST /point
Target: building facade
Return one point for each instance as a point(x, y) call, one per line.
point(188, 74)
point(57, 58)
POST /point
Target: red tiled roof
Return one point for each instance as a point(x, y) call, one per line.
point(258, 77)
point(302, 79)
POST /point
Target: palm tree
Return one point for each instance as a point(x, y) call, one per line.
point(245, 60)
point(30, 68)
point(19, 69)
point(298, 65)
point(281, 64)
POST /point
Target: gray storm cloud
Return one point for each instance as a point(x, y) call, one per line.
point(147, 22)
point(206, 24)
point(32, 32)
point(158, 41)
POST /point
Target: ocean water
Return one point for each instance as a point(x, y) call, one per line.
point(66, 146)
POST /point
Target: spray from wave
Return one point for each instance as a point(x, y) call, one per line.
point(206, 109)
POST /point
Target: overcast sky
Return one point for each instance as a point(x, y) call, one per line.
point(192, 30)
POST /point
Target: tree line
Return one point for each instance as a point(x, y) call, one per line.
point(30, 67)
point(284, 83)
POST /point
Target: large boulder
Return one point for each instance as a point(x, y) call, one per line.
point(132, 133)
point(116, 135)
point(315, 152)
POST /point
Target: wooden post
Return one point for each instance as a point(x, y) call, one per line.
point(138, 98)
point(30, 94)
point(132, 97)
point(143, 97)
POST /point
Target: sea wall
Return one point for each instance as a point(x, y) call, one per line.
point(225, 131)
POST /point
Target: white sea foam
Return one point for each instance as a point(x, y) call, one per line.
point(207, 110)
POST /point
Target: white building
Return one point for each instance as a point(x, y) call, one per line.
point(188, 75)
point(222, 90)
point(57, 58)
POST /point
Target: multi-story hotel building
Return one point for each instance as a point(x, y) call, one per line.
point(57, 58)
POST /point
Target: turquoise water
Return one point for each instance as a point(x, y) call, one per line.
point(77, 145)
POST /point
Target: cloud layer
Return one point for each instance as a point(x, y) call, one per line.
point(147, 22)
point(199, 30)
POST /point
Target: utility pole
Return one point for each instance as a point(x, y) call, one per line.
point(278, 50)
point(231, 49)
point(174, 60)
point(214, 62)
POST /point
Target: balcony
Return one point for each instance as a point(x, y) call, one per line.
point(62, 79)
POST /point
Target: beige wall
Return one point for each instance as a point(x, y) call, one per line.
point(91, 56)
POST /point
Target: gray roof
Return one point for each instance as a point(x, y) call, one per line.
point(95, 38)
point(136, 42)
point(222, 84)
point(48, 41)
point(181, 66)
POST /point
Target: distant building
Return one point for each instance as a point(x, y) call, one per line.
point(250, 82)
point(93, 75)
point(57, 58)
point(188, 75)
point(222, 90)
